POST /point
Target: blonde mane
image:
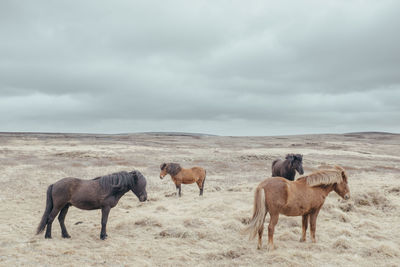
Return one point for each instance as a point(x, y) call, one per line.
point(324, 177)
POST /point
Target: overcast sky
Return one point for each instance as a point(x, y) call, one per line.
point(218, 67)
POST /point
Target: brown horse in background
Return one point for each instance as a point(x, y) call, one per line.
point(100, 193)
point(180, 175)
point(287, 168)
point(303, 197)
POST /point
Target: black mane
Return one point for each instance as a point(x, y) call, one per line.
point(119, 181)
point(173, 168)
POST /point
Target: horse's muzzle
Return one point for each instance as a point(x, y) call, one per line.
point(142, 198)
point(346, 197)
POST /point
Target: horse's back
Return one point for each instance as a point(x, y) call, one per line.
point(301, 198)
point(67, 182)
point(276, 167)
point(192, 175)
point(199, 171)
point(279, 183)
point(275, 161)
point(276, 191)
point(63, 189)
point(74, 190)
point(287, 197)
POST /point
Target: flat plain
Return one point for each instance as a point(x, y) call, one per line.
point(194, 230)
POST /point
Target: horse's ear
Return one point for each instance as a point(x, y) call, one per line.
point(342, 172)
point(344, 176)
point(162, 166)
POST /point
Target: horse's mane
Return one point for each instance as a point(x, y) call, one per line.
point(293, 157)
point(173, 168)
point(324, 177)
point(118, 181)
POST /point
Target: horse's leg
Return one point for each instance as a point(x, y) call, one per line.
point(260, 233)
point(313, 224)
point(50, 220)
point(271, 227)
point(61, 219)
point(200, 184)
point(104, 217)
point(178, 188)
point(304, 228)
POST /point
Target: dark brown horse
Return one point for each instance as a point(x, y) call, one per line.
point(180, 175)
point(100, 193)
point(303, 197)
point(287, 168)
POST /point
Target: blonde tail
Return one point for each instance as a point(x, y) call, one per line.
point(259, 212)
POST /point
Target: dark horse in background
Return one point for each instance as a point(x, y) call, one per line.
point(100, 193)
point(287, 168)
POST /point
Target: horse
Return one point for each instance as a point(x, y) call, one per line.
point(303, 197)
point(287, 168)
point(101, 192)
point(180, 175)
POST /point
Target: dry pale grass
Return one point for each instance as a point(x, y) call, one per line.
point(193, 230)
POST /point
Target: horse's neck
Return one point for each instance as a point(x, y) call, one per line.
point(119, 194)
point(287, 169)
point(291, 171)
point(326, 189)
point(179, 174)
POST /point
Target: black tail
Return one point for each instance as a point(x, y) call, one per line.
point(49, 207)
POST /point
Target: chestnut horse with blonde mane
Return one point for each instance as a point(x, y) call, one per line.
point(303, 197)
point(181, 175)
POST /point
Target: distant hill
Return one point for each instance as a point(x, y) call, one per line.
point(177, 134)
point(100, 135)
point(381, 133)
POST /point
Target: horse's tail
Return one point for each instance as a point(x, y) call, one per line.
point(49, 207)
point(259, 212)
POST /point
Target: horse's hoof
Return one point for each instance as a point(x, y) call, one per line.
point(302, 240)
point(47, 237)
point(270, 247)
point(66, 236)
point(103, 237)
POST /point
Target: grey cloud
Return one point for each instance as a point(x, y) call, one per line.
point(230, 67)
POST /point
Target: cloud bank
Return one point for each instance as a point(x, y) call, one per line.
point(219, 67)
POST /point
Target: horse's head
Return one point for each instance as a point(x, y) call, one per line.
point(169, 168)
point(342, 188)
point(139, 186)
point(296, 162)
